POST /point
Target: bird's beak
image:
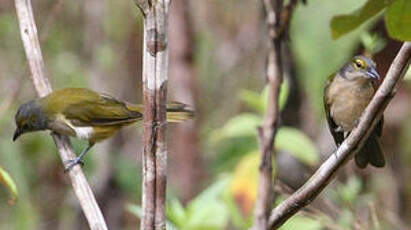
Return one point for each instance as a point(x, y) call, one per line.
point(372, 73)
point(16, 135)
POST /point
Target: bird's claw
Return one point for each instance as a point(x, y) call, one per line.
point(71, 163)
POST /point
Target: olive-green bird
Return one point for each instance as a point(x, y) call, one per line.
point(85, 114)
point(347, 93)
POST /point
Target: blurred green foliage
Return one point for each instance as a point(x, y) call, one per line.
point(342, 24)
point(232, 104)
point(244, 126)
point(397, 18)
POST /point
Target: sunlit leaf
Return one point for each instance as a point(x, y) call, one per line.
point(236, 214)
point(298, 144)
point(244, 184)
point(302, 222)
point(342, 24)
point(176, 212)
point(398, 20)
point(8, 182)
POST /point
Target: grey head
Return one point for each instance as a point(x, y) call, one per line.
point(360, 67)
point(29, 118)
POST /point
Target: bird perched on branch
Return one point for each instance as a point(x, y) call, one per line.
point(85, 114)
point(347, 93)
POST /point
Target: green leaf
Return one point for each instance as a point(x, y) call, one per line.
point(242, 125)
point(259, 101)
point(135, 209)
point(252, 99)
point(298, 144)
point(176, 212)
point(302, 222)
point(207, 210)
point(342, 24)
point(373, 43)
point(284, 92)
point(398, 20)
point(7, 181)
point(350, 191)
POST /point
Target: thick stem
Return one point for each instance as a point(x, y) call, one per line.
point(155, 70)
point(323, 176)
point(31, 44)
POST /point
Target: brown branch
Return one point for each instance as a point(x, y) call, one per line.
point(155, 67)
point(31, 44)
point(323, 176)
point(268, 130)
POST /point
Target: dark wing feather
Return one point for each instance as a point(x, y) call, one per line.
point(378, 127)
point(106, 110)
point(338, 136)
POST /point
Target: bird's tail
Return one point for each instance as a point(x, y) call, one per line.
point(176, 111)
point(371, 153)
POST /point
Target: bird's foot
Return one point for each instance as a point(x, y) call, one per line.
point(71, 163)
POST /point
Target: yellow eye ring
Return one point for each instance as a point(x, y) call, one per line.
point(359, 64)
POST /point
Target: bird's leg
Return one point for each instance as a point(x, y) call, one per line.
point(79, 159)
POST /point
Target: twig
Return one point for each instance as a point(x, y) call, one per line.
point(155, 70)
point(310, 190)
point(31, 44)
point(277, 21)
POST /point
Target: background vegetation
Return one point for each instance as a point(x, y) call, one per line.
point(213, 177)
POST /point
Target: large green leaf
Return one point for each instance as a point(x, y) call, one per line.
point(7, 181)
point(398, 20)
point(342, 24)
point(298, 144)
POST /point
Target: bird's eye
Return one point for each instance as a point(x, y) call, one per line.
point(359, 64)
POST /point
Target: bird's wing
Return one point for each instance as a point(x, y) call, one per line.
point(378, 128)
point(105, 110)
point(337, 135)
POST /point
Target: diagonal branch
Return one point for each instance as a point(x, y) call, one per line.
point(323, 176)
point(38, 76)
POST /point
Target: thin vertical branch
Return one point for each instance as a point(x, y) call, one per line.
point(372, 114)
point(31, 44)
point(277, 20)
point(155, 70)
point(269, 128)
